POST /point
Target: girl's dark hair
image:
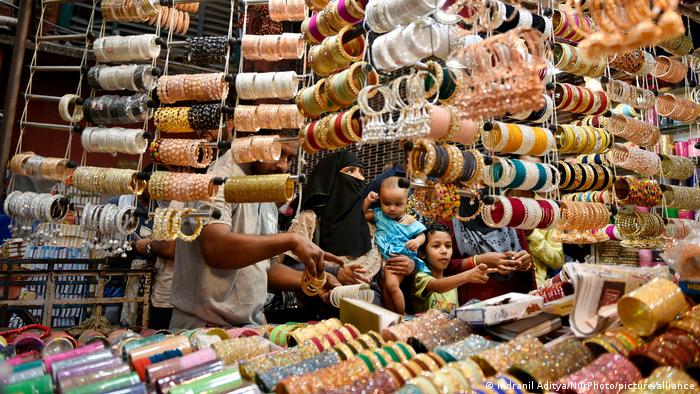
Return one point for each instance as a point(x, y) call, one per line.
point(435, 228)
point(431, 228)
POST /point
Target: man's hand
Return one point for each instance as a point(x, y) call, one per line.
point(523, 258)
point(309, 253)
point(141, 246)
point(500, 261)
point(400, 265)
point(412, 245)
point(352, 274)
point(331, 258)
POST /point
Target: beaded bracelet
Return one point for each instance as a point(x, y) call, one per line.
point(204, 51)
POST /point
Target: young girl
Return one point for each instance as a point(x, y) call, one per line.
point(437, 291)
point(395, 233)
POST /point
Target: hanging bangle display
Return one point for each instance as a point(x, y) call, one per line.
point(259, 188)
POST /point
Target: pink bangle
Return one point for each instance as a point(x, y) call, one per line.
point(344, 14)
point(440, 122)
point(242, 332)
point(81, 351)
point(313, 28)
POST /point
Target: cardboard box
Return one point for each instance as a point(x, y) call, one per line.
point(366, 316)
point(511, 306)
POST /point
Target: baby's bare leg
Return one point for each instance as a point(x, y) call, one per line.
point(392, 283)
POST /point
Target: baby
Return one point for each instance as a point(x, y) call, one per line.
point(395, 233)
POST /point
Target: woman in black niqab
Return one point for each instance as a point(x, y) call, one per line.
point(334, 192)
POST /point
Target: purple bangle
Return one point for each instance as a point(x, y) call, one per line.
point(313, 28)
point(343, 12)
point(565, 24)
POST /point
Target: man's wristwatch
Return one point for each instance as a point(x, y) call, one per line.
point(149, 250)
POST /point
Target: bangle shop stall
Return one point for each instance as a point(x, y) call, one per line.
point(602, 93)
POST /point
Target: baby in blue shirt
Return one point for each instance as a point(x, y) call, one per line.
point(396, 232)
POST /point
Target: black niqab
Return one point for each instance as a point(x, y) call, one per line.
point(336, 198)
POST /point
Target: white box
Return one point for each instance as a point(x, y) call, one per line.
point(494, 310)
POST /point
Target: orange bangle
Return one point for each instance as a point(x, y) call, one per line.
point(515, 138)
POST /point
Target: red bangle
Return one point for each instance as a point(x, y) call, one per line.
point(497, 211)
point(470, 262)
point(569, 96)
point(330, 339)
point(338, 128)
point(547, 214)
point(518, 212)
point(591, 101)
point(352, 330)
point(311, 136)
point(604, 104)
point(318, 344)
point(340, 335)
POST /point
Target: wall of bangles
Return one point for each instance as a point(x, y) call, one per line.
point(577, 117)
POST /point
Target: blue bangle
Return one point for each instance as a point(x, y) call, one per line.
point(496, 171)
point(542, 171)
point(520, 173)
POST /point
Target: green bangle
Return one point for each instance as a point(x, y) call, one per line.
point(367, 362)
point(381, 359)
point(448, 87)
point(309, 103)
point(392, 353)
point(405, 350)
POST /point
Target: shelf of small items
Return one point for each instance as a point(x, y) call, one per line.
point(45, 277)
